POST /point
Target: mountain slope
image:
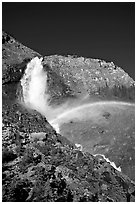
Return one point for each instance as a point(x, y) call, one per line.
point(39, 164)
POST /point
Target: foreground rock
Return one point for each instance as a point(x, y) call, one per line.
point(41, 165)
point(44, 167)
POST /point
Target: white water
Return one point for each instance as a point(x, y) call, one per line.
point(35, 90)
point(79, 146)
point(36, 97)
point(111, 163)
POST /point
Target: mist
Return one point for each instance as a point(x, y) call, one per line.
point(35, 91)
point(35, 97)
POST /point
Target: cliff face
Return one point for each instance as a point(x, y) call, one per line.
point(14, 57)
point(41, 165)
point(92, 77)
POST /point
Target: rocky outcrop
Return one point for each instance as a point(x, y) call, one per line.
point(39, 164)
point(93, 77)
point(44, 166)
point(14, 57)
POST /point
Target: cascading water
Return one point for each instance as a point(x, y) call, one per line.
point(34, 83)
point(35, 90)
point(36, 97)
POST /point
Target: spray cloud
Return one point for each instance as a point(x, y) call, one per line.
point(35, 90)
point(36, 97)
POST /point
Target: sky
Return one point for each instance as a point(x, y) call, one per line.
point(96, 30)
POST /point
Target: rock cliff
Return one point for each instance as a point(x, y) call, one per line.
point(39, 164)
